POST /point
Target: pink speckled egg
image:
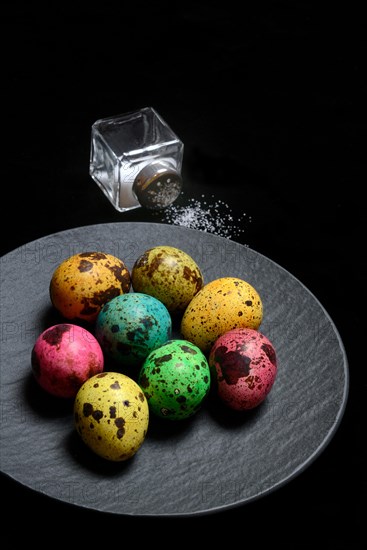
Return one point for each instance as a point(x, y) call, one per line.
point(243, 367)
point(63, 357)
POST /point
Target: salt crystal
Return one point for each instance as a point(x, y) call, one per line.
point(206, 216)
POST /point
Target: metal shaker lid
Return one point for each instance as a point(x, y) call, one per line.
point(157, 185)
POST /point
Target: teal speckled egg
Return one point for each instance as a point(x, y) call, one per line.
point(175, 379)
point(132, 325)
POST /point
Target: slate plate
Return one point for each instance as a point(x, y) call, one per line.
point(212, 462)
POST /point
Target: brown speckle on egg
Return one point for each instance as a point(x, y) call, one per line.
point(120, 423)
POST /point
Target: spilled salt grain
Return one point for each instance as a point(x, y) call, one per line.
point(214, 216)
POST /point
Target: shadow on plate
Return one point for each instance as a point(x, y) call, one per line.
point(50, 317)
point(230, 418)
point(86, 458)
point(164, 428)
point(43, 403)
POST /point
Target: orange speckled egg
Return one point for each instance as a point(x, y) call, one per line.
point(168, 274)
point(221, 305)
point(83, 283)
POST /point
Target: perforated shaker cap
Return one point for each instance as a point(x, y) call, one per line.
point(157, 185)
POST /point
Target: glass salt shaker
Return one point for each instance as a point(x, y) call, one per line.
point(136, 160)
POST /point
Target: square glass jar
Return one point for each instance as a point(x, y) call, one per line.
point(136, 160)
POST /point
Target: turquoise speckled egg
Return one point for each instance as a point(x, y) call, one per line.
point(175, 379)
point(132, 325)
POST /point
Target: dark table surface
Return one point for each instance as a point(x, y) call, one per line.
point(270, 104)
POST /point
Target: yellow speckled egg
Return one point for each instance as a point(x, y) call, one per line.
point(169, 274)
point(83, 283)
point(221, 305)
point(111, 415)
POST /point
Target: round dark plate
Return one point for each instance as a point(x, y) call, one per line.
point(216, 460)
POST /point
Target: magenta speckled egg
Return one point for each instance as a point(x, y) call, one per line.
point(63, 357)
point(243, 367)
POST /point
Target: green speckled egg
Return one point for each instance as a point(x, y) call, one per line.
point(175, 379)
point(169, 274)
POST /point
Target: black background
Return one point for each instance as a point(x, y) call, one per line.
point(269, 100)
